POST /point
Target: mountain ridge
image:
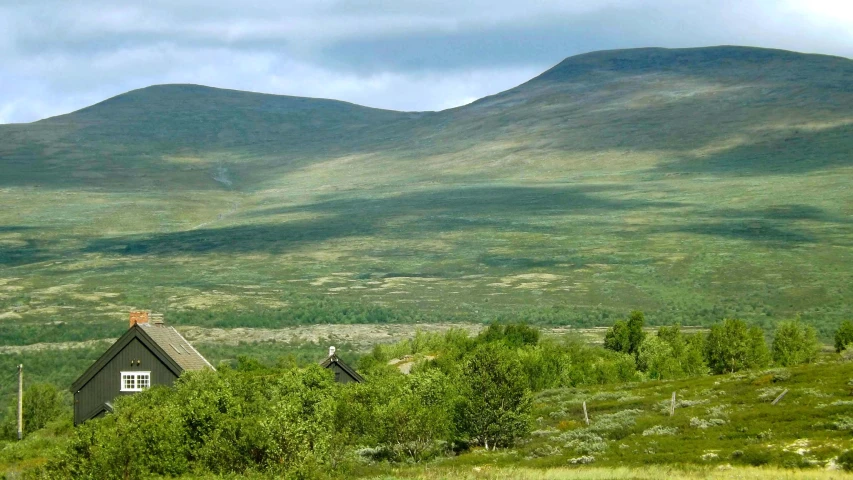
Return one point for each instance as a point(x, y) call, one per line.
point(717, 187)
point(700, 56)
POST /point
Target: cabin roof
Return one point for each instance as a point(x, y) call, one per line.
point(333, 359)
point(169, 346)
point(175, 346)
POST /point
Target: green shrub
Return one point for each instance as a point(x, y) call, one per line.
point(844, 335)
point(757, 456)
point(626, 336)
point(732, 346)
point(42, 403)
point(845, 461)
point(513, 334)
point(794, 343)
point(494, 408)
point(225, 422)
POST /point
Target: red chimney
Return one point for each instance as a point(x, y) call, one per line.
point(140, 316)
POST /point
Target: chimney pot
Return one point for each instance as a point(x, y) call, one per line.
point(331, 351)
point(140, 316)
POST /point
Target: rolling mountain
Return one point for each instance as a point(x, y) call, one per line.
point(690, 183)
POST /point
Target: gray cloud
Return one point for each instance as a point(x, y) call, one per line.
point(60, 56)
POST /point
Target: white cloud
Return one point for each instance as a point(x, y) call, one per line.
point(59, 56)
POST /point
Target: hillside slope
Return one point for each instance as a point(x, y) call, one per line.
point(690, 183)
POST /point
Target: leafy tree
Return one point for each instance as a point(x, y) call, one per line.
point(416, 417)
point(494, 409)
point(520, 334)
point(732, 346)
point(407, 417)
point(794, 343)
point(657, 358)
point(514, 334)
point(636, 335)
point(670, 354)
point(42, 403)
point(294, 422)
point(844, 335)
point(693, 362)
point(543, 365)
point(617, 338)
point(626, 336)
point(758, 355)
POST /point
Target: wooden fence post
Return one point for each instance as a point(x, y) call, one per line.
point(779, 397)
point(672, 405)
point(20, 402)
point(585, 415)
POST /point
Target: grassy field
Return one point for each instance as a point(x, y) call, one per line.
point(620, 473)
point(723, 427)
point(717, 420)
point(691, 184)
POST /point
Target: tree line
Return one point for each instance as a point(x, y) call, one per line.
point(729, 346)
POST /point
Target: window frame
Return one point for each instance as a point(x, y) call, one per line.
point(137, 376)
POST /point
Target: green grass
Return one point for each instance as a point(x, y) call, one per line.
point(718, 420)
point(617, 473)
point(691, 184)
point(723, 427)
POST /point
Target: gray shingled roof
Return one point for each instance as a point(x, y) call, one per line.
point(175, 346)
point(333, 359)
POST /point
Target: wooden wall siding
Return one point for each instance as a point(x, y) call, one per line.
point(105, 386)
point(341, 375)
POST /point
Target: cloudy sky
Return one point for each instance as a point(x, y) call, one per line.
point(58, 55)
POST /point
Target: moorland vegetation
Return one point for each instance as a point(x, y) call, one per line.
point(693, 184)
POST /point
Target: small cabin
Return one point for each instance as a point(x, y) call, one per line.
point(149, 353)
point(343, 372)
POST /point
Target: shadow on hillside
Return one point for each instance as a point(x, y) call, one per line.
point(458, 203)
point(406, 216)
point(800, 152)
point(14, 228)
point(784, 212)
point(33, 251)
point(778, 226)
point(485, 210)
point(758, 231)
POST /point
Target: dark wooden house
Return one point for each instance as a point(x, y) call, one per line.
point(149, 353)
point(343, 372)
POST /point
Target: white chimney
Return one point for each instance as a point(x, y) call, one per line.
point(331, 351)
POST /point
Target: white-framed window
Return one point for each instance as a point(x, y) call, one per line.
point(135, 381)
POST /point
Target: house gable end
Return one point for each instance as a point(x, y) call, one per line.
point(334, 362)
point(109, 383)
point(132, 333)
